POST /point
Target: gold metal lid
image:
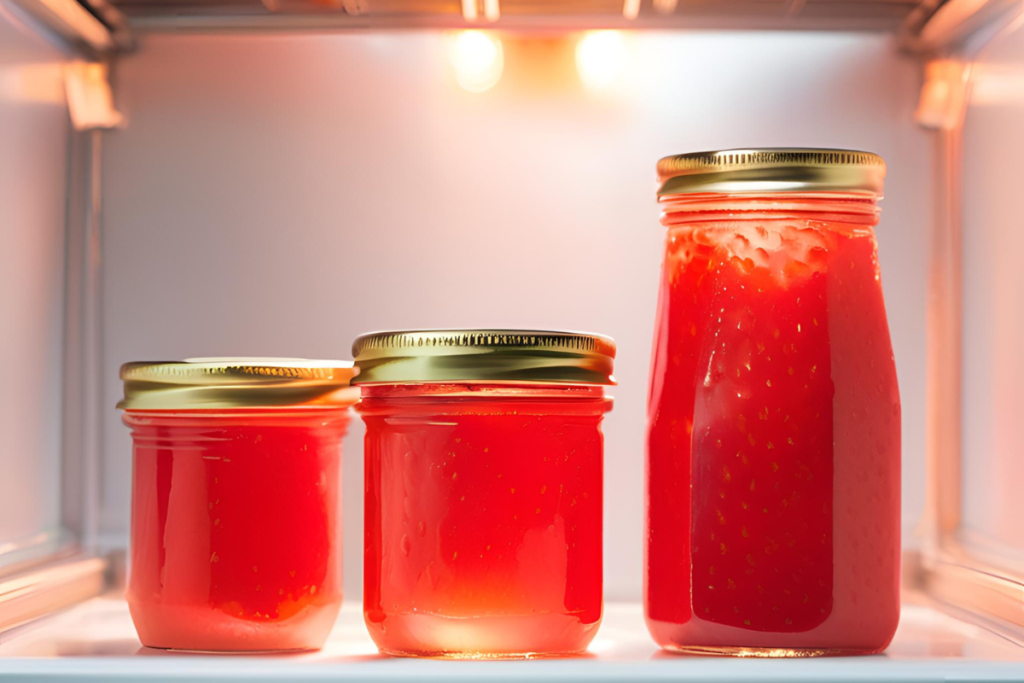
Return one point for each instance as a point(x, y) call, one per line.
point(772, 170)
point(417, 356)
point(213, 383)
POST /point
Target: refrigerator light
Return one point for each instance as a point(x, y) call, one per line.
point(478, 60)
point(601, 59)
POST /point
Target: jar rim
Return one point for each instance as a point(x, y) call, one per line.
point(772, 169)
point(484, 355)
point(222, 383)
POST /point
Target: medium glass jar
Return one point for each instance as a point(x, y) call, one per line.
point(773, 459)
point(484, 465)
point(235, 531)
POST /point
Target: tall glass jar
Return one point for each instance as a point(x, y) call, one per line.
point(235, 527)
point(773, 449)
point(484, 465)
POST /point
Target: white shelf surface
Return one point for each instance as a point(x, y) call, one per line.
point(95, 641)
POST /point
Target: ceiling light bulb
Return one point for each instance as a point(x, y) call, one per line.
point(478, 60)
point(601, 59)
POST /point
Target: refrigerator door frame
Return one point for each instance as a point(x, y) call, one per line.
point(990, 588)
point(60, 566)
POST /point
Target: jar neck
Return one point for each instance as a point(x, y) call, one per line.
point(279, 416)
point(828, 207)
point(472, 398)
point(473, 390)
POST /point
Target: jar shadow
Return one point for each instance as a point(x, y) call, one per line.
point(144, 651)
point(666, 655)
point(483, 660)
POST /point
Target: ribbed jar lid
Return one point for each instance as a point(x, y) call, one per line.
point(212, 383)
point(541, 356)
point(772, 170)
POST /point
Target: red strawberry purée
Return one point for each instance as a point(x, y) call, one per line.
point(774, 431)
point(484, 461)
point(236, 536)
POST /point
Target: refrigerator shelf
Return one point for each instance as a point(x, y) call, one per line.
point(96, 641)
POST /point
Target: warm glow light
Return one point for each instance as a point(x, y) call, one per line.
point(469, 10)
point(39, 83)
point(478, 60)
point(631, 9)
point(492, 10)
point(601, 59)
point(995, 85)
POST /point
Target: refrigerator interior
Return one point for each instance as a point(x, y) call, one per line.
point(380, 195)
point(272, 180)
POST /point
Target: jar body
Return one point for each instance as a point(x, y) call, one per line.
point(483, 519)
point(235, 533)
point(773, 462)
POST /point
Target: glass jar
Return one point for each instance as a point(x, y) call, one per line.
point(235, 529)
point(773, 459)
point(484, 466)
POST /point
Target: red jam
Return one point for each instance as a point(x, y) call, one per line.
point(483, 518)
point(236, 536)
point(774, 431)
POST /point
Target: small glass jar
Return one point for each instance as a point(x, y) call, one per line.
point(484, 466)
point(773, 460)
point(235, 529)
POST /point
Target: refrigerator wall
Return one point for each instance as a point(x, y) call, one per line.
point(993, 313)
point(34, 136)
point(279, 194)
